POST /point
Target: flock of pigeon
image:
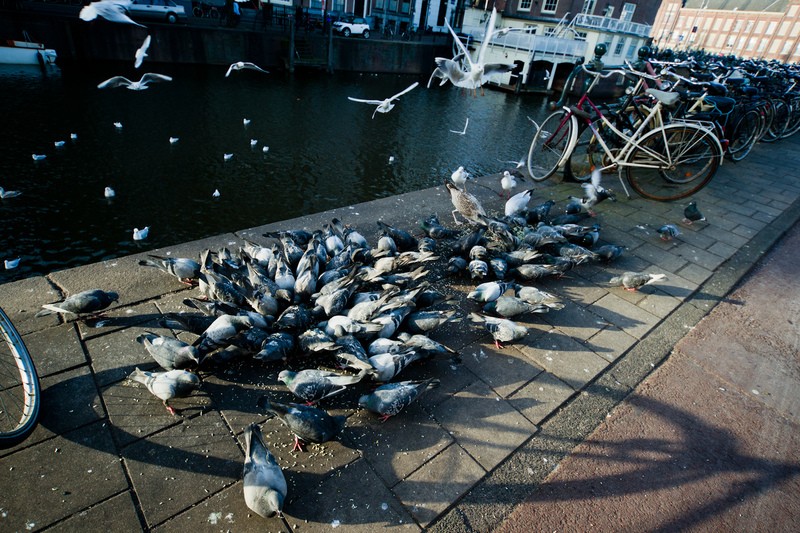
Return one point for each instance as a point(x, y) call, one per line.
point(360, 313)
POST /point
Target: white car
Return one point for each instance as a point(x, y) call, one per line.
point(352, 26)
point(163, 10)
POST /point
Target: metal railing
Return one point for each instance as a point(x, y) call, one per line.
point(609, 24)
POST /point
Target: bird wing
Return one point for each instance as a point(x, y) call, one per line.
point(253, 66)
point(404, 91)
point(145, 44)
point(116, 81)
point(494, 69)
point(152, 77)
point(459, 44)
point(372, 102)
point(487, 36)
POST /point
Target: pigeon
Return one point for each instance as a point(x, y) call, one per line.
point(183, 268)
point(141, 52)
point(668, 232)
point(108, 192)
point(384, 106)
point(502, 329)
point(466, 205)
point(221, 330)
point(509, 306)
point(692, 214)
point(489, 291)
point(4, 194)
point(170, 353)
point(263, 481)
point(540, 213)
point(609, 252)
point(242, 65)
point(434, 229)
point(387, 365)
point(276, 346)
point(141, 85)
point(594, 193)
point(532, 295)
point(314, 385)
point(404, 240)
point(111, 10)
point(11, 264)
point(308, 423)
point(167, 385)
point(631, 281)
point(141, 234)
point(388, 400)
point(80, 303)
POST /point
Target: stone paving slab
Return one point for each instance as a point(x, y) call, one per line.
point(494, 410)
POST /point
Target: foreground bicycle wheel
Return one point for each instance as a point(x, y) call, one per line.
point(19, 387)
point(744, 135)
point(673, 162)
point(549, 145)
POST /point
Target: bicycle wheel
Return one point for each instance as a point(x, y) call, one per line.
point(780, 117)
point(744, 135)
point(19, 387)
point(793, 121)
point(550, 144)
point(673, 162)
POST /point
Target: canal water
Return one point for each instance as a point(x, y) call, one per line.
point(324, 152)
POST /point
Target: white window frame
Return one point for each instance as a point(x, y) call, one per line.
point(588, 7)
point(608, 11)
point(619, 47)
point(522, 6)
point(627, 12)
point(553, 6)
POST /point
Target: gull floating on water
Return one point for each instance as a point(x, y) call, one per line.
point(118, 125)
point(384, 106)
point(173, 140)
point(246, 121)
point(241, 65)
point(11, 263)
point(253, 142)
point(38, 157)
point(140, 234)
point(215, 194)
point(391, 159)
point(111, 10)
point(59, 144)
point(227, 157)
point(108, 192)
point(265, 149)
point(462, 132)
point(8, 194)
point(122, 81)
point(141, 53)
point(73, 136)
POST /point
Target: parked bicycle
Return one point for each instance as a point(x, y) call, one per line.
point(19, 387)
point(662, 161)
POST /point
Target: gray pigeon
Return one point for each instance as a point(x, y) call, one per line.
point(631, 281)
point(183, 268)
point(532, 295)
point(313, 385)
point(388, 365)
point(80, 303)
point(489, 291)
point(220, 331)
point(388, 400)
point(508, 306)
point(276, 346)
point(668, 232)
point(427, 321)
point(167, 385)
point(264, 484)
point(309, 424)
point(502, 329)
point(170, 353)
point(692, 214)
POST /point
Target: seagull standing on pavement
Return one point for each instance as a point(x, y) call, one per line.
point(384, 106)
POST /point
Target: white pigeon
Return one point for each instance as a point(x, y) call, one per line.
point(173, 140)
point(140, 234)
point(111, 10)
point(11, 263)
point(141, 53)
point(122, 81)
point(384, 106)
point(108, 192)
point(227, 157)
point(8, 194)
point(240, 65)
point(39, 157)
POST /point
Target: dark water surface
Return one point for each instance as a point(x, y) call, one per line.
point(324, 152)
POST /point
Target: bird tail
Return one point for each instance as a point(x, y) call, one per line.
point(475, 317)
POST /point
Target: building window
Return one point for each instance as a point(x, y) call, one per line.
point(609, 10)
point(405, 6)
point(620, 46)
point(524, 5)
point(786, 47)
point(627, 12)
point(549, 32)
point(549, 6)
point(580, 35)
point(631, 49)
point(588, 7)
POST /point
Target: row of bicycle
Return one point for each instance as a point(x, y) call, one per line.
point(669, 132)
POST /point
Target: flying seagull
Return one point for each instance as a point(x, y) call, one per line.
point(241, 65)
point(122, 81)
point(141, 53)
point(384, 106)
point(111, 10)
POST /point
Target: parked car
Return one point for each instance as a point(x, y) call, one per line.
point(352, 26)
point(163, 10)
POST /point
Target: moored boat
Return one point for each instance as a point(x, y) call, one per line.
point(26, 53)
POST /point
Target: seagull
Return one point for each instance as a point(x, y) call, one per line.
point(215, 194)
point(141, 53)
point(518, 203)
point(39, 157)
point(240, 65)
point(246, 122)
point(253, 143)
point(122, 81)
point(391, 159)
point(108, 192)
point(73, 136)
point(448, 70)
point(111, 10)
point(8, 194)
point(227, 157)
point(460, 177)
point(384, 106)
point(59, 144)
point(466, 204)
point(462, 132)
point(174, 140)
point(140, 234)
point(118, 125)
point(11, 263)
point(265, 149)
point(509, 182)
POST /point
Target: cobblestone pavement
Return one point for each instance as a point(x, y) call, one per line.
point(459, 459)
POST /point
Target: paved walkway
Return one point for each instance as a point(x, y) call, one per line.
point(460, 459)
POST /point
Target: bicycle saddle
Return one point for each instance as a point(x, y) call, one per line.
point(723, 104)
point(668, 99)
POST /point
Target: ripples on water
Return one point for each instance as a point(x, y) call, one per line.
point(324, 152)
